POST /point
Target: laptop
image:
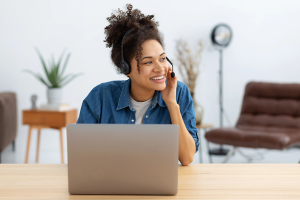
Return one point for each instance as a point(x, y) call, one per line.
point(123, 159)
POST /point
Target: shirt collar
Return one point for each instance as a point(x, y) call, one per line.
point(124, 97)
point(158, 99)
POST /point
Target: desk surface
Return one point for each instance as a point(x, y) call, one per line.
point(197, 181)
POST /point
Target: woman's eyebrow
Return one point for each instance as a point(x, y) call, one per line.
point(152, 57)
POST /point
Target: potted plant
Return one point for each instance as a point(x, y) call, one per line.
point(188, 64)
point(55, 79)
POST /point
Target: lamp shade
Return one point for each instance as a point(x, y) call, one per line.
point(221, 35)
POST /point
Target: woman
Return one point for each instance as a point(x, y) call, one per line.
point(150, 95)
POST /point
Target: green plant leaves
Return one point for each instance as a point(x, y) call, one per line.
point(43, 62)
point(70, 79)
point(66, 62)
point(38, 76)
point(60, 59)
point(53, 73)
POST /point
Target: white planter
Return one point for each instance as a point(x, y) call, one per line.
point(198, 112)
point(54, 95)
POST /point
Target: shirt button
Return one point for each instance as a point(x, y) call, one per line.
point(132, 120)
point(146, 116)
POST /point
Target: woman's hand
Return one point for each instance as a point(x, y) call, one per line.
point(187, 146)
point(169, 93)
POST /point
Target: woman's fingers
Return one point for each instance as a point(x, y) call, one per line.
point(169, 73)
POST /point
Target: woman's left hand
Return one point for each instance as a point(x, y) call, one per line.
point(169, 93)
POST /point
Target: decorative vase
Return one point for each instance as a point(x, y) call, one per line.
point(54, 95)
point(198, 112)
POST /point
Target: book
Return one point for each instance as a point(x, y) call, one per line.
point(57, 107)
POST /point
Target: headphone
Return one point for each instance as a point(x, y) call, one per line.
point(125, 66)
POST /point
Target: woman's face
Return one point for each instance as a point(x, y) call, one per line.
point(153, 67)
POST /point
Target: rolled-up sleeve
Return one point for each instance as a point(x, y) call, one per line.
point(188, 113)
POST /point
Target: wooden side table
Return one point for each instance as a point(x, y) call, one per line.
point(204, 127)
point(38, 119)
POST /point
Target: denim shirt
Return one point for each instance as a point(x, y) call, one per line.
point(108, 103)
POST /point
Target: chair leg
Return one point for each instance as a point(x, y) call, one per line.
point(244, 155)
point(229, 154)
point(200, 146)
point(13, 145)
point(209, 155)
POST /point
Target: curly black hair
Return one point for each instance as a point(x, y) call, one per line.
point(144, 28)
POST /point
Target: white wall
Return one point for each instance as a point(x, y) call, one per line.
point(265, 46)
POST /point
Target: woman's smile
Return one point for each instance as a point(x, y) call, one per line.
point(158, 79)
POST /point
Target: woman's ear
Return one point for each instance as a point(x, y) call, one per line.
point(133, 66)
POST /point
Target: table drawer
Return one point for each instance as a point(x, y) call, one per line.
point(49, 118)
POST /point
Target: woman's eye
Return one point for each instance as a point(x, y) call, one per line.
point(162, 59)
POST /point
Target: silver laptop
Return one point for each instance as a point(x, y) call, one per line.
point(123, 159)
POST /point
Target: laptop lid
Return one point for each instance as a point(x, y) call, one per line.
point(123, 159)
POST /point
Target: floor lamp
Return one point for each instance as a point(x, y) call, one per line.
point(221, 37)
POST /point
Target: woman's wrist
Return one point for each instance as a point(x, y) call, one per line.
point(172, 105)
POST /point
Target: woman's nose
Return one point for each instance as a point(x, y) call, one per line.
point(159, 67)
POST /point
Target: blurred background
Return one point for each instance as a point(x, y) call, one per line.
point(265, 46)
